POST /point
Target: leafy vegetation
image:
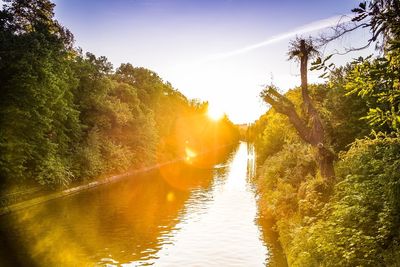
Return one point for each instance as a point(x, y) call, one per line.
point(352, 220)
point(67, 117)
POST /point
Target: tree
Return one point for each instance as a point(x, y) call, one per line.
point(376, 80)
point(119, 130)
point(381, 17)
point(309, 127)
point(39, 123)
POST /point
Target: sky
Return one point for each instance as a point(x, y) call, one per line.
point(221, 51)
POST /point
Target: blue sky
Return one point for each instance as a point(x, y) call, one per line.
point(207, 49)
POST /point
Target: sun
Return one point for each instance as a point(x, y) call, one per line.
point(215, 113)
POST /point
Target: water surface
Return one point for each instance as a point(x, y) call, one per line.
point(172, 217)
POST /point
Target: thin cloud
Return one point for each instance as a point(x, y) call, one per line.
point(311, 27)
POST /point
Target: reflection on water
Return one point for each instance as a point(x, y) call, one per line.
point(174, 217)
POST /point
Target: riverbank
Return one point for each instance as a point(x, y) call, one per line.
point(19, 205)
point(19, 200)
point(352, 220)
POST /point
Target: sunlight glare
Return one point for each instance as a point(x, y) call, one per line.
point(215, 113)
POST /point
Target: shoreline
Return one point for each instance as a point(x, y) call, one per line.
point(36, 200)
point(76, 189)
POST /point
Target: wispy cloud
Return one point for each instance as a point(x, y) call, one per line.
point(311, 27)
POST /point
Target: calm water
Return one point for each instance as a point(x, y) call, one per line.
point(173, 217)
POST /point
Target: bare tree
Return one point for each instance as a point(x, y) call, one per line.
point(309, 127)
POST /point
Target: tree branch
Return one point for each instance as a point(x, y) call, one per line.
point(284, 106)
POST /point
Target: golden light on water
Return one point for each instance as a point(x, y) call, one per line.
point(215, 112)
point(189, 154)
point(170, 196)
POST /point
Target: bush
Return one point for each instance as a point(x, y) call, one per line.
point(360, 225)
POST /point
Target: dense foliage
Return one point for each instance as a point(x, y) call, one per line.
point(354, 219)
point(66, 116)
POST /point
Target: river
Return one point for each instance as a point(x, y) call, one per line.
point(205, 217)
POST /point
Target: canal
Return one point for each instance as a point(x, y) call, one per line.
point(170, 217)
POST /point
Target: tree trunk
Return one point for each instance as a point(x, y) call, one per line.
point(325, 163)
point(325, 157)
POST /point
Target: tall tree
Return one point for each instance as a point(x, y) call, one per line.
point(309, 127)
point(39, 122)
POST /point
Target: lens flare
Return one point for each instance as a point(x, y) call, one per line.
point(170, 196)
point(190, 154)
